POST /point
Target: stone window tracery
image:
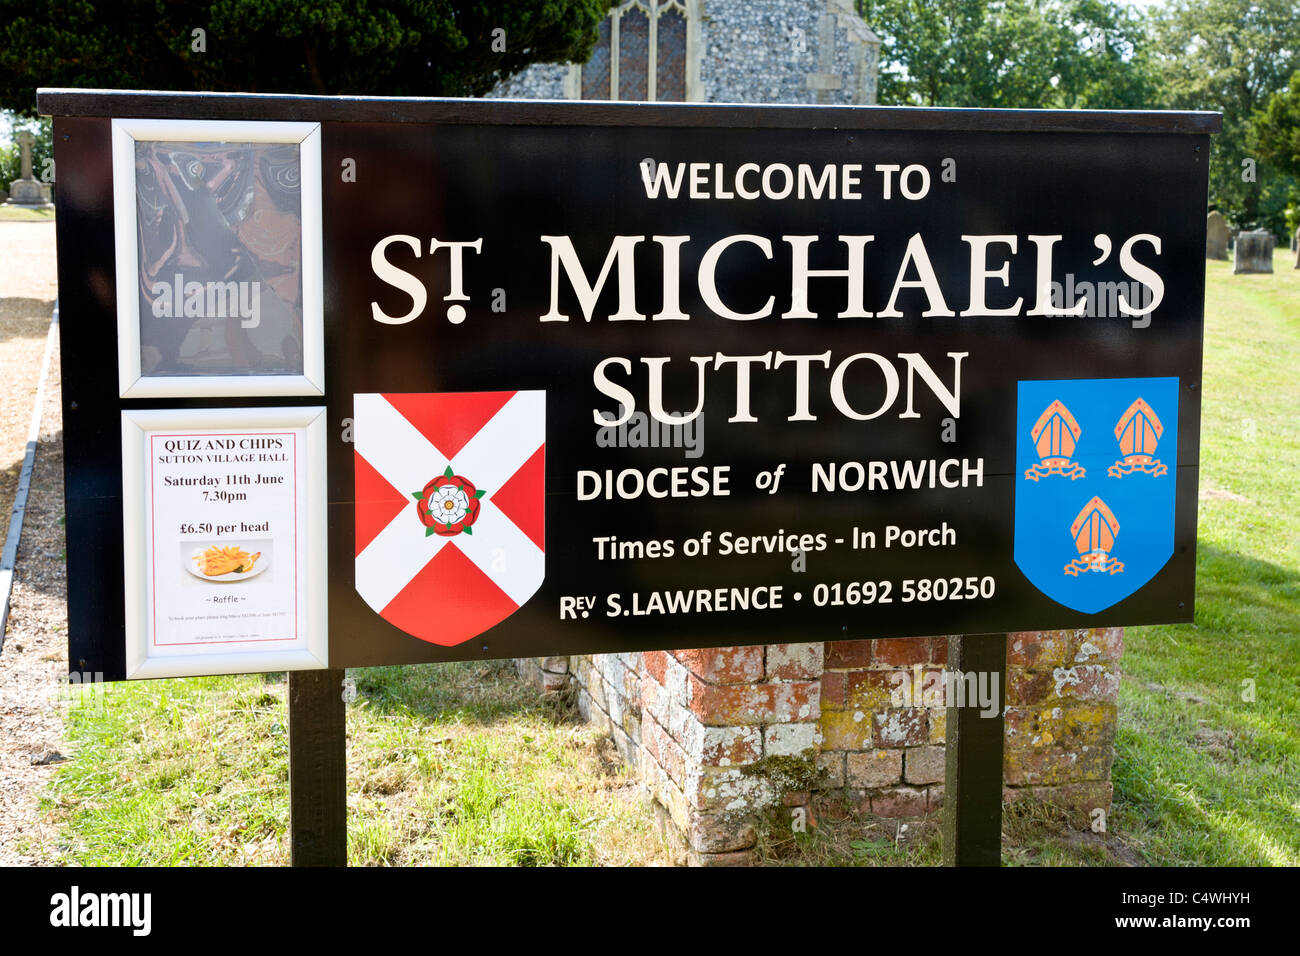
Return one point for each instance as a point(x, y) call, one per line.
point(646, 51)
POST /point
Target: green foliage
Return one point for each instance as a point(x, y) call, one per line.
point(1011, 53)
point(1232, 56)
point(1276, 132)
point(1229, 56)
point(395, 48)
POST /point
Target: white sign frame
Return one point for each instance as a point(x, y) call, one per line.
point(136, 511)
point(133, 384)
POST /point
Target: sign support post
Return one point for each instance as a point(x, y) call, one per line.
point(318, 834)
point(972, 804)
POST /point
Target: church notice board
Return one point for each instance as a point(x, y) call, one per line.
point(361, 381)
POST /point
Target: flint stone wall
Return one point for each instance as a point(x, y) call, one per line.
point(759, 51)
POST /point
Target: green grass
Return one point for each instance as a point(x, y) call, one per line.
point(20, 214)
point(1203, 776)
point(175, 772)
point(447, 764)
point(461, 764)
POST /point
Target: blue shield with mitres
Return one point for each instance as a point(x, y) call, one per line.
point(1095, 469)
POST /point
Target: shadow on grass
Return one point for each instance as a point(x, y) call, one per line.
point(471, 692)
point(1238, 593)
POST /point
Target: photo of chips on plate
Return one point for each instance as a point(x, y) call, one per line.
point(230, 562)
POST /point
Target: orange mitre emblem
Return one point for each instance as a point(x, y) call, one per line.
point(1138, 432)
point(1094, 530)
point(1055, 435)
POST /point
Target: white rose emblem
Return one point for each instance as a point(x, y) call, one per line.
point(448, 505)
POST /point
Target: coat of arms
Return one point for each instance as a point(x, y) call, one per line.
point(450, 508)
point(1067, 427)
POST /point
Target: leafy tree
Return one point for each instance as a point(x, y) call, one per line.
point(1108, 65)
point(1011, 53)
point(1232, 56)
point(1276, 132)
point(1276, 137)
point(397, 48)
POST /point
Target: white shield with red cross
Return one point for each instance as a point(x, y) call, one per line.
point(450, 508)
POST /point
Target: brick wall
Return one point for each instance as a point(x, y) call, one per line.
point(721, 735)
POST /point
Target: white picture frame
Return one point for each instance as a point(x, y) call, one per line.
point(309, 648)
point(132, 383)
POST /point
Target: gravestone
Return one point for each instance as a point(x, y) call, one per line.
point(25, 190)
point(1254, 252)
point(1216, 236)
point(1295, 246)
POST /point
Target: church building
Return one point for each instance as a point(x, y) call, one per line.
point(718, 51)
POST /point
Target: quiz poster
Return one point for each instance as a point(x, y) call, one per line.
point(225, 539)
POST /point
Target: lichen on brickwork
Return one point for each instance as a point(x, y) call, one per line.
point(1063, 676)
point(789, 774)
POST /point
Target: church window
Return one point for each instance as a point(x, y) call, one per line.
point(644, 53)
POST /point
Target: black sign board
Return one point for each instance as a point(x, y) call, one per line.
point(604, 377)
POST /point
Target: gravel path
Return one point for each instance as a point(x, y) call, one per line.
point(27, 290)
point(33, 662)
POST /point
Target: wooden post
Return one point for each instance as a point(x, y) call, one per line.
point(318, 834)
point(972, 793)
